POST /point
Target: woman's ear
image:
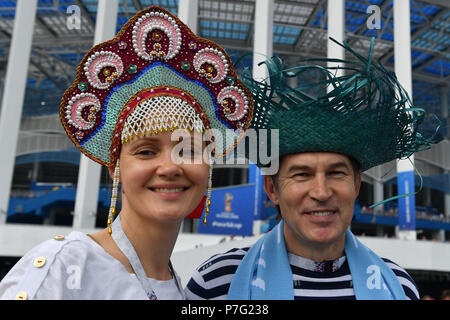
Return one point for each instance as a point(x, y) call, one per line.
point(111, 172)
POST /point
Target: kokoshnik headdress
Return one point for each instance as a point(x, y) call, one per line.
point(366, 114)
point(154, 75)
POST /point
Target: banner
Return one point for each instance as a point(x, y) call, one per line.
point(231, 211)
point(406, 205)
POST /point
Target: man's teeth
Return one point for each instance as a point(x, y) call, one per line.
point(167, 190)
point(321, 213)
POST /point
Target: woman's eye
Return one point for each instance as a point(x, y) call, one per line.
point(145, 152)
point(188, 152)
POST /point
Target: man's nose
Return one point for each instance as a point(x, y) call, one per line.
point(320, 189)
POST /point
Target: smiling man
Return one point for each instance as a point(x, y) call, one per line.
point(315, 191)
point(325, 144)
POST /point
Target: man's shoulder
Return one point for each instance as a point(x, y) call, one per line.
point(407, 282)
point(213, 277)
point(230, 257)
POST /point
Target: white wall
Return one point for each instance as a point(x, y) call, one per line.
point(191, 250)
point(17, 239)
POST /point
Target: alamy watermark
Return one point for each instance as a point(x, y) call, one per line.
point(190, 149)
point(73, 20)
point(374, 20)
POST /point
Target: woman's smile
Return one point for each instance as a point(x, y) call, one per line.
point(169, 192)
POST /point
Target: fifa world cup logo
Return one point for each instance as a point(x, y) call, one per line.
point(228, 199)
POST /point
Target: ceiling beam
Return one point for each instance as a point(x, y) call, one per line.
point(137, 5)
point(440, 3)
point(416, 33)
point(86, 13)
point(309, 22)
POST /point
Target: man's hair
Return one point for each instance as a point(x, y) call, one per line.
point(355, 166)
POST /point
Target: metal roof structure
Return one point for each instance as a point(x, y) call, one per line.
point(300, 30)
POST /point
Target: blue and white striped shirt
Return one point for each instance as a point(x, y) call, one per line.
point(311, 280)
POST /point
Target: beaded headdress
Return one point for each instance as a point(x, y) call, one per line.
point(365, 114)
point(155, 75)
point(154, 61)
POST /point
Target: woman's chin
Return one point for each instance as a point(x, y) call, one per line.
point(169, 216)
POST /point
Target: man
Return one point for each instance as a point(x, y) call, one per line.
point(325, 144)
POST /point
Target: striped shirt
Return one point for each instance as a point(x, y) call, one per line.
point(311, 280)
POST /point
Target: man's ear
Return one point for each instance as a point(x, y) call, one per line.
point(271, 190)
point(358, 183)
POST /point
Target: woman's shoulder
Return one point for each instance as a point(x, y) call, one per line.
point(44, 261)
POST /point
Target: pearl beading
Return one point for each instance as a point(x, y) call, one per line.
point(75, 107)
point(156, 21)
point(156, 114)
point(215, 58)
point(97, 62)
point(240, 100)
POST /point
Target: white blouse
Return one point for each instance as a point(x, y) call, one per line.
point(76, 267)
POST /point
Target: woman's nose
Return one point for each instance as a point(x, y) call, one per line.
point(166, 167)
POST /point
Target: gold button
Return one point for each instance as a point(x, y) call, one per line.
point(22, 295)
point(39, 262)
point(58, 238)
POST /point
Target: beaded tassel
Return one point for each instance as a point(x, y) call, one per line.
point(208, 193)
point(112, 207)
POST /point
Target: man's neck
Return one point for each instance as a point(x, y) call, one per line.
point(317, 252)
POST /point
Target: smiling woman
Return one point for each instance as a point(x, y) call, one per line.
point(154, 187)
point(130, 98)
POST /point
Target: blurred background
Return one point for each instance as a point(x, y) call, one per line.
point(40, 167)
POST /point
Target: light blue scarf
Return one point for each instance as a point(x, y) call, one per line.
point(265, 272)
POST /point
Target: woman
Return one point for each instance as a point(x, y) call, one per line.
point(130, 96)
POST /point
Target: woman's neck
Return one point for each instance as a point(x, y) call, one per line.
point(153, 242)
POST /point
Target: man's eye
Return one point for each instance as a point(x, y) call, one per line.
point(301, 174)
point(337, 173)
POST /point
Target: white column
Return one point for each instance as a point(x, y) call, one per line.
point(262, 50)
point(293, 81)
point(262, 38)
point(447, 202)
point(378, 188)
point(188, 13)
point(336, 30)
point(378, 195)
point(88, 185)
point(445, 116)
point(444, 109)
point(13, 96)
point(402, 53)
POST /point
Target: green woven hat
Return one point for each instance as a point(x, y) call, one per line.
point(366, 113)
